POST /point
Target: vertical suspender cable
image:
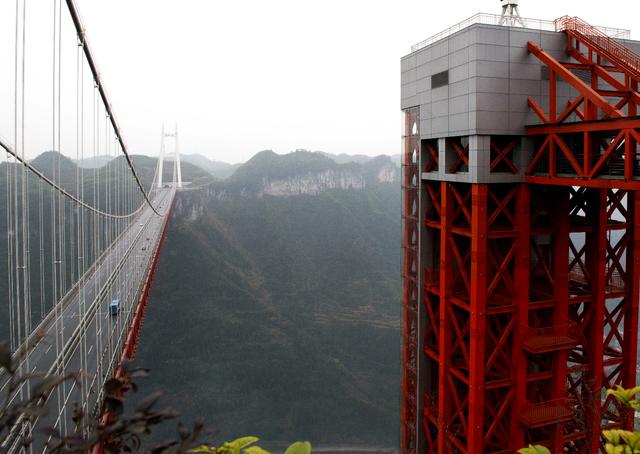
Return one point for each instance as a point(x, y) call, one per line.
point(11, 164)
point(16, 233)
point(55, 245)
point(62, 200)
point(26, 290)
point(79, 249)
point(41, 248)
point(96, 226)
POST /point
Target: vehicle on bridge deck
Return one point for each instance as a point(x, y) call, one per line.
point(114, 307)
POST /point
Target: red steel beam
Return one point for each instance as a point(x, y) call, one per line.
point(596, 261)
point(478, 315)
point(573, 80)
point(630, 348)
point(633, 185)
point(561, 308)
point(614, 124)
point(444, 341)
point(521, 301)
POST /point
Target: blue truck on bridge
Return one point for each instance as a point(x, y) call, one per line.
point(114, 307)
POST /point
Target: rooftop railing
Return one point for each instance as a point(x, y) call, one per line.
point(497, 19)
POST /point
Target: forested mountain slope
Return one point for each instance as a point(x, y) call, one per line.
point(275, 309)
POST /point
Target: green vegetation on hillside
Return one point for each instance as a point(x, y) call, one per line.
point(281, 306)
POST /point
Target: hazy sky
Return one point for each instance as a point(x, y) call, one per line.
point(245, 75)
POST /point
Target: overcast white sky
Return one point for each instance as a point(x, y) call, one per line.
point(245, 75)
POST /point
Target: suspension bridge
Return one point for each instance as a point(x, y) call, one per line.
point(80, 243)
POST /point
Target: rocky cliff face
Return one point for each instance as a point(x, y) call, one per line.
point(306, 173)
point(301, 173)
point(312, 183)
point(389, 174)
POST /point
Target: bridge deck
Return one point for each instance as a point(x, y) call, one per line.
point(118, 275)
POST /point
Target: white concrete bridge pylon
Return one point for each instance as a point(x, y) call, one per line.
point(177, 170)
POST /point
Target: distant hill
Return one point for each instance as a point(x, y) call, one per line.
point(343, 158)
point(275, 309)
point(305, 172)
point(93, 163)
point(218, 169)
point(145, 167)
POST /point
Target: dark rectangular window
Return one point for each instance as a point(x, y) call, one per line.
point(440, 79)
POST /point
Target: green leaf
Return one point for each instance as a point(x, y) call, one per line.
point(255, 450)
point(204, 448)
point(612, 436)
point(609, 448)
point(299, 447)
point(624, 395)
point(632, 440)
point(534, 449)
point(236, 445)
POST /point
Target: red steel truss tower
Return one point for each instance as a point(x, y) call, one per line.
point(521, 223)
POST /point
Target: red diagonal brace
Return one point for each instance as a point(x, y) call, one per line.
point(573, 80)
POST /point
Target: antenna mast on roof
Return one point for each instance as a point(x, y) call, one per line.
point(510, 15)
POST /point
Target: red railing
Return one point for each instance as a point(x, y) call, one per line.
point(564, 330)
point(614, 280)
point(544, 413)
point(550, 338)
point(609, 46)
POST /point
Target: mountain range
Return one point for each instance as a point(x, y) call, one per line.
point(275, 307)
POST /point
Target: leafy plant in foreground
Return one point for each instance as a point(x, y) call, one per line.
point(246, 446)
point(117, 431)
point(623, 441)
point(534, 449)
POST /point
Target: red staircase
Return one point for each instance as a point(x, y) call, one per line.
point(612, 50)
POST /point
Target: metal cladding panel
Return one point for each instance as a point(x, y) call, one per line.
point(491, 75)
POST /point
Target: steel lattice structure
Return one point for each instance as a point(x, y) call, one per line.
point(521, 280)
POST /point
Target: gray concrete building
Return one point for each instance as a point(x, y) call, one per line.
point(474, 82)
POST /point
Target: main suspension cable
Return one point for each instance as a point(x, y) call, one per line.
point(63, 191)
point(82, 37)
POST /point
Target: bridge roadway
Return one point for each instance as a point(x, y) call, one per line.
point(118, 274)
